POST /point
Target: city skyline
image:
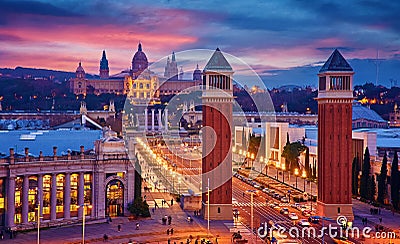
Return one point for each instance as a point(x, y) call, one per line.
point(271, 37)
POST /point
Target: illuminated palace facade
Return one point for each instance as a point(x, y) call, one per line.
point(139, 82)
point(62, 186)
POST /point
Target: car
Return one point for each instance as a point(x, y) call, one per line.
point(257, 186)
point(295, 205)
point(314, 219)
point(284, 199)
point(272, 204)
point(277, 196)
point(277, 207)
point(266, 190)
point(234, 201)
point(271, 192)
point(304, 223)
point(293, 216)
point(306, 213)
point(284, 211)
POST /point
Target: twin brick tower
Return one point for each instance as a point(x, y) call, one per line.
point(335, 96)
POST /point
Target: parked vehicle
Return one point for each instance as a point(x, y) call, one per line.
point(304, 223)
point(284, 199)
point(284, 211)
point(293, 216)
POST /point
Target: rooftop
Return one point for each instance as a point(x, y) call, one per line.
point(336, 62)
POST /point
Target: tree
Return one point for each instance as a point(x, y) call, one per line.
point(291, 152)
point(314, 170)
point(138, 180)
point(382, 184)
point(139, 207)
point(354, 178)
point(394, 182)
point(371, 188)
point(365, 175)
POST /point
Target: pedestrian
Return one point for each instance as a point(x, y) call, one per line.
point(152, 210)
point(169, 220)
point(169, 241)
point(137, 226)
point(172, 231)
point(172, 201)
point(243, 194)
point(380, 220)
point(162, 203)
point(119, 228)
point(167, 231)
point(105, 237)
point(1, 235)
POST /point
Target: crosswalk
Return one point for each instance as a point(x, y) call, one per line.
point(191, 169)
point(258, 204)
point(247, 204)
point(237, 226)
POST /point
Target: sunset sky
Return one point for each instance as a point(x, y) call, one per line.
point(265, 34)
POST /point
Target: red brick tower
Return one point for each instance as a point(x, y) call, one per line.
point(335, 96)
point(217, 101)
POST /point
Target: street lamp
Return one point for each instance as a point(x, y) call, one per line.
point(38, 217)
point(304, 176)
point(261, 162)
point(83, 219)
point(283, 170)
point(251, 192)
point(296, 173)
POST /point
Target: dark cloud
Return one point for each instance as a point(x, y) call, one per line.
point(32, 7)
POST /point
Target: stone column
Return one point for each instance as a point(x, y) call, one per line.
point(146, 120)
point(159, 120)
point(152, 119)
point(81, 194)
point(40, 192)
point(67, 196)
point(53, 197)
point(166, 119)
point(137, 120)
point(10, 211)
point(25, 200)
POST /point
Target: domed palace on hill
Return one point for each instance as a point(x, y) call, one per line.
point(141, 84)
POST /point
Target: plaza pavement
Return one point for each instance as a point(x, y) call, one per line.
point(151, 230)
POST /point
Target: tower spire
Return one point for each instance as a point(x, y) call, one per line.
point(140, 47)
point(173, 57)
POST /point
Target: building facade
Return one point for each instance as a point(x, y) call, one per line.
point(217, 100)
point(335, 97)
point(64, 188)
point(139, 82)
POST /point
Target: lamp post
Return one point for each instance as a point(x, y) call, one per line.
point(304, 176)
point(283, 172)
point(261, 162)
point(251, 192)
point(252, 160)
point(208, 207)
point(296, 173)
point(83, 219)
point(38, 216)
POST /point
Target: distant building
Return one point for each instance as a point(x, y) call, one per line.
point(139, 82)
point(173, 82)
point(364, 117)
point(394, 117)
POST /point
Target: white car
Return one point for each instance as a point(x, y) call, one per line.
point(293, 216)
point(304, 223)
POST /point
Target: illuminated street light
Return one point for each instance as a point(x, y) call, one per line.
point(304, 176)
point(283, 170)
point(83, 219)
point(296, 173)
